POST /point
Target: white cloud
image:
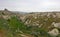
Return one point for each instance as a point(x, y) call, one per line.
point(30, 5)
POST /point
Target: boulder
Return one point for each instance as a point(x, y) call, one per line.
point(54, 32)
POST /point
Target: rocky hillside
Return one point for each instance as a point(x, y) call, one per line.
point(48, 21)
point(34, 24)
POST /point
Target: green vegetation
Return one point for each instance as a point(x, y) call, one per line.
point(13, 27)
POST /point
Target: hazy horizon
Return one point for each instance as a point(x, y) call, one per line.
point(30, 5)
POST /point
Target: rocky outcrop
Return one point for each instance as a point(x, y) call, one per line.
point(54, 32)
point(57, 25)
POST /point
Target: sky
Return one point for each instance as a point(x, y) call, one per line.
point(30, 5)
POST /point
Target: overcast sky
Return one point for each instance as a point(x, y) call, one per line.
point(30, 5)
